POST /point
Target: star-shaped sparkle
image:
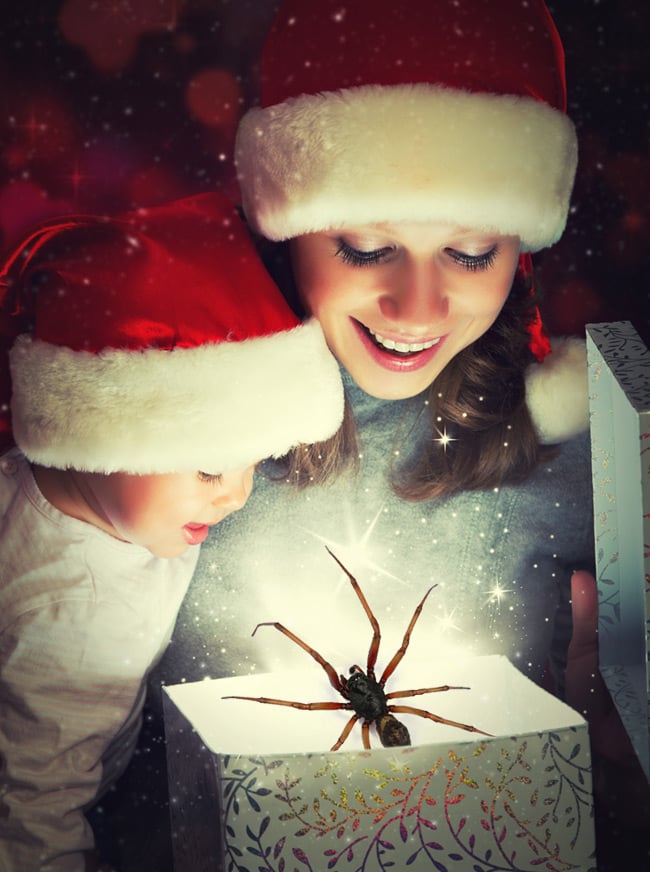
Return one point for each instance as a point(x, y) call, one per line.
point(357, 549)
point(444, 438)
point(497, 593)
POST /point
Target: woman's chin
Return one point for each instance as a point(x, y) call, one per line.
point(385, 385)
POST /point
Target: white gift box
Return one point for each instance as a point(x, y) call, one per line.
point(254, 786)
point(619, 398)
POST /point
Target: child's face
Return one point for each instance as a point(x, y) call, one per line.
point(398, 301)
point(163, 513)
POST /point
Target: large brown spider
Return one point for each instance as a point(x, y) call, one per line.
point(365, 695)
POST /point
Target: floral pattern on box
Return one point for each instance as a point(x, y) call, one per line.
point(481, 810)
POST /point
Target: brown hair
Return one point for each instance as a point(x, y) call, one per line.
point(479, 400)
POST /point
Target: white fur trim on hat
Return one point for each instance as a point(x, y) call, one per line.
point(557, 392)
point(498, 163)
point(213, 407)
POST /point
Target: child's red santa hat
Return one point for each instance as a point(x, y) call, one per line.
point(156, 342)
point(375, 110)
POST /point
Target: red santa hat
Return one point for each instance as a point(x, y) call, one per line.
point(156, 342)
point(381, 111)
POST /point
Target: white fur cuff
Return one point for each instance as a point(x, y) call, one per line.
point(496, 163)
point(557, 391)
point(213, 407)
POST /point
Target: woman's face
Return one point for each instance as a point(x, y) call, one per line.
point(398, 301)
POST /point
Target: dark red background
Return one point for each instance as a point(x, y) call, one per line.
point(117, 103)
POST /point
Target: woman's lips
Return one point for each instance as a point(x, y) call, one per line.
point(195, 533)
point(397, 355)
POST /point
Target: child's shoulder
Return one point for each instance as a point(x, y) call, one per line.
point(21, 501)
point(14, 471)
point(45, 556)
point(35, 560)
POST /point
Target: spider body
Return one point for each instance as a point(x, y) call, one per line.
point(363, 693)
point(369, 701)
point(366, 695)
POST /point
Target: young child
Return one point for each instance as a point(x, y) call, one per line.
point(154, 364)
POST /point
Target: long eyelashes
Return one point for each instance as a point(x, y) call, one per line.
point(210, 479)
point(473, 262)
point(469, 262)
point(354, 257)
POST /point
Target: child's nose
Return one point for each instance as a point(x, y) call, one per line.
point(239, 488)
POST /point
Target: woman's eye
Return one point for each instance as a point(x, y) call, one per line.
point(210, 478)
point(473, 262)
point(357, 257)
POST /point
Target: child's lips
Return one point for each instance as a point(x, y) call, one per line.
point(195, 533)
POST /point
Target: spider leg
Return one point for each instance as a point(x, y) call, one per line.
point(400, 694)
point(401, 651)
point(306, 706)
point(410, 710)
point(365, 734)
point(335, 681)
point(346, 732)
point(376, 632)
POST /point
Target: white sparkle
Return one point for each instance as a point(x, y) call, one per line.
point(444, 438)
point(497, 593)
point(356, 552)
point(447, 622)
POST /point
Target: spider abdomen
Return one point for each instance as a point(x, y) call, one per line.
point(368, 700)
point(391, 732)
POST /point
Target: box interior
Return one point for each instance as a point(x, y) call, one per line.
point(500, 701)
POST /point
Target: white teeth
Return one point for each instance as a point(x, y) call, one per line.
point(404, 347)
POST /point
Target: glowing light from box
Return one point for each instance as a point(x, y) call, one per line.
point(294, 581)
point(335, 624)
point(447, 622)
point(356, 554)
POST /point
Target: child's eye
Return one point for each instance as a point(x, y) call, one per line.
point(211, 479)
point(357, 257)
point(473, 262)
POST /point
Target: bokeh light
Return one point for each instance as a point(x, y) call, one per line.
point(214, 97)
point(109, 31)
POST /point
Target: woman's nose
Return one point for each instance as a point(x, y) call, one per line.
point(415, 295)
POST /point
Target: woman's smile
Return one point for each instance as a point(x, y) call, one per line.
point(397, 355)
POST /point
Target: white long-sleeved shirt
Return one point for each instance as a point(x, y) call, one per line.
point(83, 618)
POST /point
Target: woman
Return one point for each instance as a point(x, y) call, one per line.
point(414, 157)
